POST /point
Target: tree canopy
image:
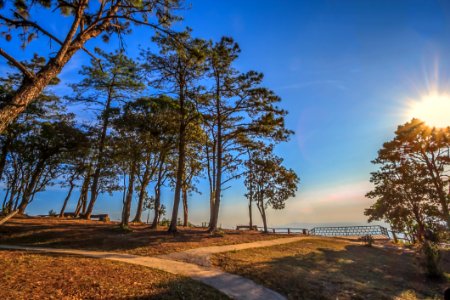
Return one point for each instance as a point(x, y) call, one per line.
point(411, 186)
point(179, 112)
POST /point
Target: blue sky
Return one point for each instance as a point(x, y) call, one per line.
point(344, 70)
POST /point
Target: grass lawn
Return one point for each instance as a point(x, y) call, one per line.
point(95, 235)
point(327, 268)
point(26, 275)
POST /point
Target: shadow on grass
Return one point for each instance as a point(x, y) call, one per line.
point(140, 240)
point(352, 272)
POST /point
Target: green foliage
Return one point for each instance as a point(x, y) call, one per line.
point(272, 183)
point(409, 188)
point(430, 260)
point(36, 148)
point(88, 21)
point(145, 134)
point(368, 240)
point(205, 119)
point(164, 222)
point(150, 13)
point(105, 87)
point(238, 113)
point(219, 233)
point(268, 182)
point(124, 228)
point(178, 67)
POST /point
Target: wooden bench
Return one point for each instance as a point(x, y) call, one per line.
point(101, 217)
point(239, 227)
point(69, 214)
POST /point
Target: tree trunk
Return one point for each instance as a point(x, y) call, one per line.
point(81, 205)
point(138, 215)
point(420, 233)
point(100, 158)
point(181, 162)
point(72, 185)
point(94, 195)
point(18, 194)
point(4, 153)
point(127, 204)
point(439, 186)
point(32, 87)
point(219, 163)
point(13, 189)
point(30, 187)
point(211, 178)
point(158, 193)
point(8, 190)
point(250, 192)
point(211, 207)
point(185, 208)
point(446, 213)
point(262, 209)
point(26, 93)
point(15, 196)
point(145, 181)
point(179, 181)
point(250, 223)
point(155, 222)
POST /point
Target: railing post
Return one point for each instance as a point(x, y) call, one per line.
point(289, 231)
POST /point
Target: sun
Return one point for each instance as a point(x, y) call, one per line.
point(433, 109)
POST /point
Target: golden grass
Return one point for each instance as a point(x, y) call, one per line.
point(327, 268)
point(95, 235)
point(38, 276)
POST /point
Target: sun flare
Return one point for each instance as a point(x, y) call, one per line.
point(433, 109)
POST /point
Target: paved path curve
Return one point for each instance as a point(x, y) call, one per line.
point(234, 286)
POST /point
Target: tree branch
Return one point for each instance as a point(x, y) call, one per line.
point(17, 64)
point(73, 30)
point(24, 23)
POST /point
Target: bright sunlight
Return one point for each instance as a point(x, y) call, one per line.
point(433, 109)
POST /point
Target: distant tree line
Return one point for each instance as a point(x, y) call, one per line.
point(167, 118)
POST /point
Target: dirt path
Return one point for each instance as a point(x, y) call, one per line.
point(234, 286)
point(201, 256)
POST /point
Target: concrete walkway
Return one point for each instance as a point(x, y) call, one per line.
point(201, 256)
point(234, 286)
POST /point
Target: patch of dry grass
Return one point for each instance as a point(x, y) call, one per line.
point(327, 268)
point(94, 235)
point(27, 275)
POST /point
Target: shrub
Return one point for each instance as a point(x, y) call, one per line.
point(430, 260)
point(368, 240)
point(219, 233)
point(164, 222)
point(5, 211)
point(52, 213)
